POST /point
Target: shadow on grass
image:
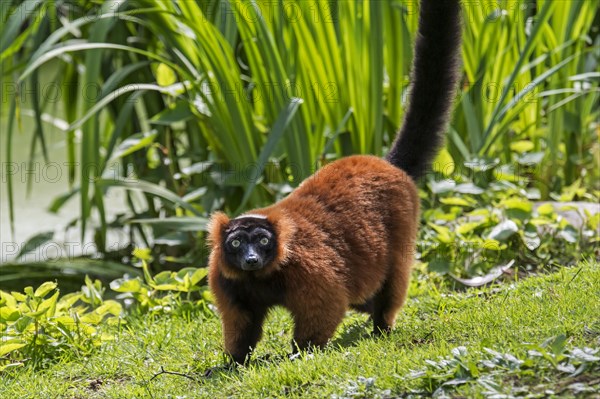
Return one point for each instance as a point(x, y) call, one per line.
point(353, 333)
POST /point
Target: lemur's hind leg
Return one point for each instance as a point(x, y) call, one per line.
point(366, 307)
point(390, 298)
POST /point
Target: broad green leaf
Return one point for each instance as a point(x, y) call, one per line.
point(44, 289)
point(68, 300)
point(468, 188)
point(569, 234)
point(168, 287)
point(531, 158)
point(164, 277)
point(444, 234)
point(546, 209)
point(517, 203)
point(187, 282)
point(38, 314)
point(9, 313)
point(18, 296)
point(458, 201)
point(67, 321)
point(88, 320)
point(35, 242)
point(7, 347)
point(165, 76)
point(480, 212)
point(492, 245)
point(49, 305)
point(503, 230)
point(593, 222)
point(558, 344)
point(540, 221)
point(439, 265)
point(442, 186)
point(531, 241)
point(208, 296)
point(522, 146)
point(126, 285)
point(465, 228)
point(142, 253)
point(444, 163)
point(153, 157)
point(147, 275)
point(198, 275)
point(109, 306)
point(61, 200)
point(134, 143)
point(11, 365)
point(7, 300)
point(23, 323)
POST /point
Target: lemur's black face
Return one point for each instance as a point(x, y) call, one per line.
point(249, 243)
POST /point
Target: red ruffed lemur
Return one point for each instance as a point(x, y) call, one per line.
point(345, 237)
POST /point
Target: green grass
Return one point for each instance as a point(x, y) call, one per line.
point(440, 338)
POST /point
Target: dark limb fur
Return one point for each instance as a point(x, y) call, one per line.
point(242, 330)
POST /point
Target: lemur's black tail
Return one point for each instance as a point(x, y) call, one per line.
point(434, 78)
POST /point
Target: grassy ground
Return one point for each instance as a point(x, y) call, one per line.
point(537, 337)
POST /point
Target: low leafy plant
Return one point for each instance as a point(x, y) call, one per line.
point(167, 292)
point(446, 372)
point(39, 326)
point(484, 219)
point(491, 369)
point(363, 387)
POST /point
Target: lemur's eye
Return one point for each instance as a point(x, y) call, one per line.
point(235, 243)
point(264, 241)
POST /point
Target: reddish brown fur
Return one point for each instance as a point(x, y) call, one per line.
point(346, 237)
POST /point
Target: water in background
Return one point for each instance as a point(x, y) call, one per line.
point(31, 200)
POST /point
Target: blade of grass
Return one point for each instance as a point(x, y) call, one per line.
point(11, 30)
point(9, 176)
point(175, 223)
point(279, 128)
point(376, 71)
point(70, 102)
point(136, 87)
point(149, 188)
point(82, 266)
point(519, 97)
point(91, 46)
point(541, 20)
point(90, 141)
point(334, 136)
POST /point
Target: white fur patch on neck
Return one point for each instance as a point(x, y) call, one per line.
point(251, 215)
